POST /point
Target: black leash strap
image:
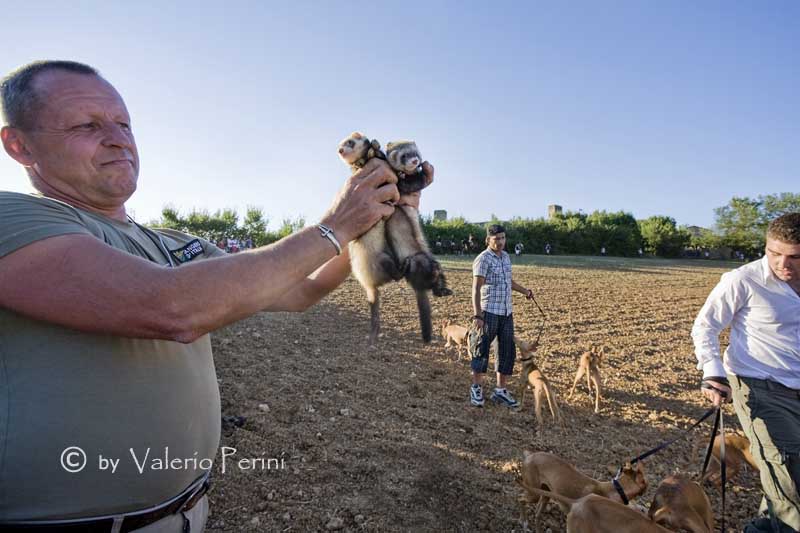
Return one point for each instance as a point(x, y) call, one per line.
point(717, 425)
point(544, 318)
point(620, 490)
point(648, 453)
point(660, 447)
point(710, 446)
point(722, 467)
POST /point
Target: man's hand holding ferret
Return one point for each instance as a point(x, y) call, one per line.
point(362, 201)
point(412, 199)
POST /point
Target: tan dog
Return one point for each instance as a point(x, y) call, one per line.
point(590, 366)
point(681, 503)
point(457, 334)
point(595, 514)
point(737, 451)
point(544, 470)
point(533, 377)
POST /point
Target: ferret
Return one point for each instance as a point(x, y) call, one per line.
point(406, 161)
point(395, 248)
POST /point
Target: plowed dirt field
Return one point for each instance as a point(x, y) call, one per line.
point(384, 438)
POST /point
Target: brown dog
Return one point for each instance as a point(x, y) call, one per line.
point(457, 334)
point(737, 451)
point(543, 470)
point(681, 503)
point(590, 365)
point(533, 377)
point(595, 514)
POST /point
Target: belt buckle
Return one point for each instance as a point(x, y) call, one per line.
point(194, 498)
point(131, 523)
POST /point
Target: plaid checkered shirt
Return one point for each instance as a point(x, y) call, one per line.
point(496, 291)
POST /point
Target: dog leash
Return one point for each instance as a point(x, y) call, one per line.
point(722, 468)
point(648, 453)
point(663, 445)
point(544, 318)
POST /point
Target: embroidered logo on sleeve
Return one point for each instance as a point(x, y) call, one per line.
point(188, 252)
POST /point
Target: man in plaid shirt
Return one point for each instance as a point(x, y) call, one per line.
point(491, 302)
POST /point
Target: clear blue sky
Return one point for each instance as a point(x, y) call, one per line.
point(650, 107)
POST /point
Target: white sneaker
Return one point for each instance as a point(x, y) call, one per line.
point(504, 397)
point(476, 395)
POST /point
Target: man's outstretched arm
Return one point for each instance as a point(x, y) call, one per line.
point(80, 282)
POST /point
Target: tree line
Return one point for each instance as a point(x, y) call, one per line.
point(224, 223)
point(740, 225)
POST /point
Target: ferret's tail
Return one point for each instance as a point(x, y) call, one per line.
point(424, 307)
point(374, 316)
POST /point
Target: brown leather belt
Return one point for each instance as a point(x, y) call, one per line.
point(130, 521)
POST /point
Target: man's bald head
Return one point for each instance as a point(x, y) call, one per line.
point(18, 95)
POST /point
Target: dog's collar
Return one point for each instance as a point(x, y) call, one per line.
point(620, 490)
point(526, 359)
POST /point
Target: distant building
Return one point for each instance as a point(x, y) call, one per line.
point(553, 210)
point(696, 231)
point(440, 214)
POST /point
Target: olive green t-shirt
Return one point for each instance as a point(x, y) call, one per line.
point(112, 397)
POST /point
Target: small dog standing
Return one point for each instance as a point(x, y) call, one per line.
point(590, 365)
point(737, 451)
point(533, 377)
point(595, 514)
point(681, 503)
point(455, 333)
point(544, 470)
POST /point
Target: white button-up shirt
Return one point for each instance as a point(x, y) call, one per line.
point(764, 314)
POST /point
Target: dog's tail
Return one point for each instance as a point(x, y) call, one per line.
point(424, 307)
point(552, 403)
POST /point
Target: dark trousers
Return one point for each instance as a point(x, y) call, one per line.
point(770, 416)
point(502, 328)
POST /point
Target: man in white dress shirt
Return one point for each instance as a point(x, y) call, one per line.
point(761, 368)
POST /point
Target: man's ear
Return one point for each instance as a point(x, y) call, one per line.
point(16, 145)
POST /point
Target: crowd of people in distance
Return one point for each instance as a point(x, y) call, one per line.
point(232, 246)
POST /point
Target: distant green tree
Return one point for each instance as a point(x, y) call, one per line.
point(618, 232)
point(215, 226)
point(707, 239)
point(254, 226)
point(454, 230)
point(662, 237)
point(775, 205)
point(741, 223)
point(289, 226)
point(200, 222)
